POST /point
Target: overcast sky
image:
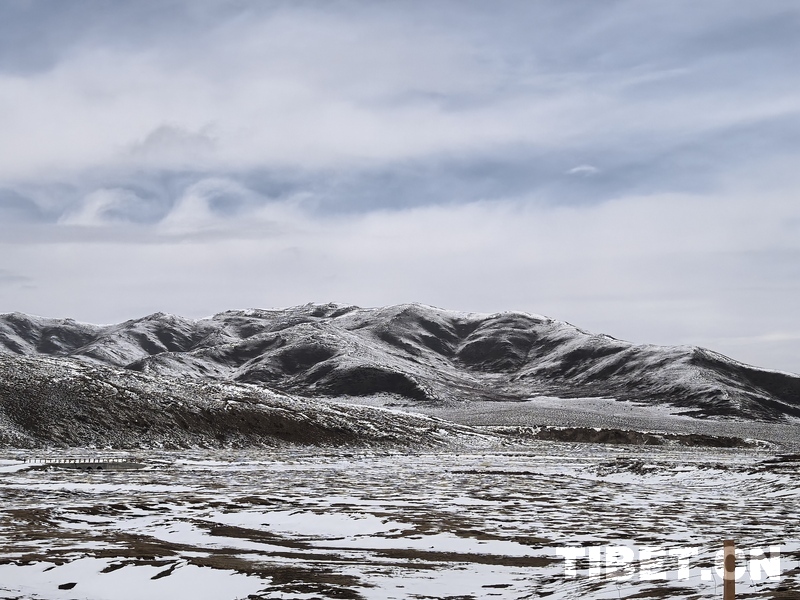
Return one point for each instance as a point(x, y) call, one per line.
point(631, 167)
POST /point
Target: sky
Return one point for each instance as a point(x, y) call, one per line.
point(630, 167)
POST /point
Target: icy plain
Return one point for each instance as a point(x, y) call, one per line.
point(302, 524)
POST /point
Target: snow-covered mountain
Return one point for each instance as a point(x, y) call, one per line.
point(417, 353)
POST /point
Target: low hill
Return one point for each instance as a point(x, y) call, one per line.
point(62, 402)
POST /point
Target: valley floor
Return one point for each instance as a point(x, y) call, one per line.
point(302, 524)
point(606, 413)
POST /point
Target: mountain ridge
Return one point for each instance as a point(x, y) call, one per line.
point(416, 353)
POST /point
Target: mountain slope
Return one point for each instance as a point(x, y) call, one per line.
point(57, 401)
point(416, 352)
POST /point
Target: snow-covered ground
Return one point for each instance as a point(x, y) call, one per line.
point(350, 524)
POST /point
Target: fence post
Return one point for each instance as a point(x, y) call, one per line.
point(729, 580)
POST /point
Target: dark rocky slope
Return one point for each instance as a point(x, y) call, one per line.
point(48, 401)
point(417, 353)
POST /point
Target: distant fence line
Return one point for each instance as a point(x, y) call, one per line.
point(67, 461)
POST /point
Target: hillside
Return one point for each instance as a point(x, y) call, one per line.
point(418, 354)
point(48, 401)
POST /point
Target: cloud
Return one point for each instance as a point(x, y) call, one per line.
point(206, 205)
point(15, 206)
point(292, 85)
point(169, 145)
point(631, 169)
point(226, 209)
point(584, 170)
point(102, 207)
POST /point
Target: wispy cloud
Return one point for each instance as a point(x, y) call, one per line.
point(584, 170)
